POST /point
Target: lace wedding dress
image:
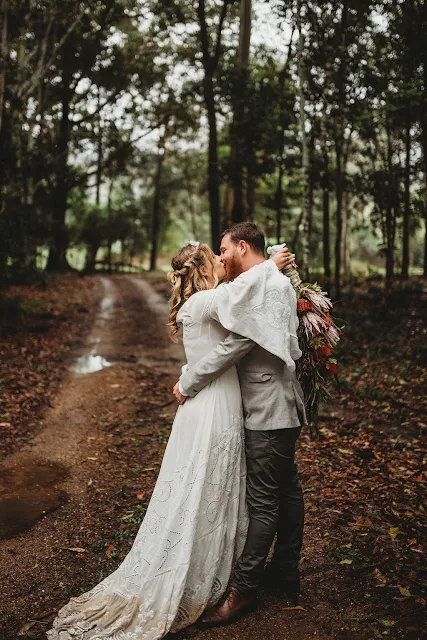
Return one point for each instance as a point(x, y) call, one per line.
point(196, 523)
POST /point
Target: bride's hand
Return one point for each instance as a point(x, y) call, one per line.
point(178, 395)
point(284, 257)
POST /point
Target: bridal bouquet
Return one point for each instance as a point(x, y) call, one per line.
point(317, 336)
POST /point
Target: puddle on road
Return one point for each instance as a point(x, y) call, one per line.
point(90, 363)
point(107, 304)
point(28, 491)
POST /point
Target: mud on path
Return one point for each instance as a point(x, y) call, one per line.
point(72, 500)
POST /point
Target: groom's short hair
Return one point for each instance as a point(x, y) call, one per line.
point(249, 232)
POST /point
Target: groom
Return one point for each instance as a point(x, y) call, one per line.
point(273, 411)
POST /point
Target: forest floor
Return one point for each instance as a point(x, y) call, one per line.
point(81, 452)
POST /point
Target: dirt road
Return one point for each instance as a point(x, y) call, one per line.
point(77, 460)
point(72, 500)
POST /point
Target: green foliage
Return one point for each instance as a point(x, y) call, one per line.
point(95, 95)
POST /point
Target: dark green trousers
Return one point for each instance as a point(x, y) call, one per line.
point(275, 504)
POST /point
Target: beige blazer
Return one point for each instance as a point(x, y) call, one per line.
point(271, 395)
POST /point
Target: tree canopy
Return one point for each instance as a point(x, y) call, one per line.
point(130, 127)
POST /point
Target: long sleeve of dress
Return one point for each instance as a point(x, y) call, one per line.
point(219, 359)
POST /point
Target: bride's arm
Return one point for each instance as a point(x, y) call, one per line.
point(214, 364)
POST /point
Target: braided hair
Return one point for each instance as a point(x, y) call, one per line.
point(187, 278)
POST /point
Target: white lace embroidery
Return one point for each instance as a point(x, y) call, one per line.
point(274, 309)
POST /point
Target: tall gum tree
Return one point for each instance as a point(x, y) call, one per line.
point(211, 53)
point(239, 134)
point(305, 157)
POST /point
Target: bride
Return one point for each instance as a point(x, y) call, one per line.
point(196, 523)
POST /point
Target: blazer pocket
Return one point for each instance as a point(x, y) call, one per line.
point(257, 376)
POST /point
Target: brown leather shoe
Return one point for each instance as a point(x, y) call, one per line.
point(235, 605)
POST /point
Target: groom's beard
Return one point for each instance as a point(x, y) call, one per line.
point(233, 269)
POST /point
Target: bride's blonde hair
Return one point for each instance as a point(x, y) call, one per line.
point(191, 266)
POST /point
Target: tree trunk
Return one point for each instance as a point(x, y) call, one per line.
point(281, 137)
point(5, 132)
point(193, 214)
point(190, 195)
point(251, 180)
point(389, 216)
point(407, 207)
point(240, 206)
point(57, 255)
point(228, 205)
point(3, 53)
point(279, 202)
point(250, 196)
point(210, 64)
point(298, 228)
point(311, 147)
point(339, 126)
point(326, 185)
point(155, 221)
point(99, 158)
point(239, 133)
point(425, 225)
point(109, 218)
point(392, 215)
point(339, 221)
point(305, 217)
point(423, 118)
point(213, 174)
point(91, 251)
point(345, 252)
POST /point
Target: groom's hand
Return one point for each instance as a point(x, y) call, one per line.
point(178, 395)
point(283, 258)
